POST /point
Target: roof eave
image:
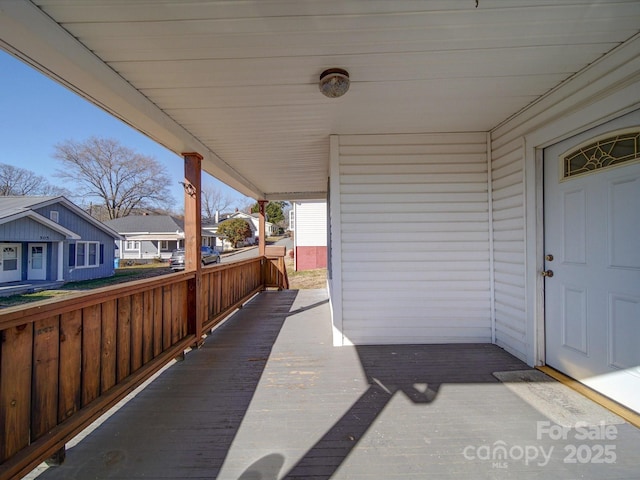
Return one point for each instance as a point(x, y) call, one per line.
point(38, 40)
point(69, 235)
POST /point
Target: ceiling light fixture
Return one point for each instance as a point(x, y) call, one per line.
point(334, 82)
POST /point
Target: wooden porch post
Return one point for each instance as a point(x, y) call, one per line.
point(261, 227)
point(61, 262)
point(193, 240)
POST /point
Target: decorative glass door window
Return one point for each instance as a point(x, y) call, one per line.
point(607, 152)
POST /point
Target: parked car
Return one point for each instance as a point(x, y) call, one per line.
point(207, 255)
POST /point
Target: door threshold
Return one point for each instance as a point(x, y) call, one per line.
point(629, 415)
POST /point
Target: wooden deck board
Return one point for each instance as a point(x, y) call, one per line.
point(268, 396)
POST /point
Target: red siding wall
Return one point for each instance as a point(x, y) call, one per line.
point(309, 258)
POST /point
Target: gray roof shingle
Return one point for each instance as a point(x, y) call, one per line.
point(12, 205)
point(149, 224)
point(146, 224)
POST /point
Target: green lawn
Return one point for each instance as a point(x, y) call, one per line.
point(125, 274)
point(32, 297)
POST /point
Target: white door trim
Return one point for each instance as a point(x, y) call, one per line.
point(534, 249)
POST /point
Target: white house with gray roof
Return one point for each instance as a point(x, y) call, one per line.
point(149, 237)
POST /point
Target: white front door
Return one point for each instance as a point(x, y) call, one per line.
point(10, 262)
point(37, 261)
point(592, 246)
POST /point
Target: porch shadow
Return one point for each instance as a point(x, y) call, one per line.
point(415, 371)
point(426, 411)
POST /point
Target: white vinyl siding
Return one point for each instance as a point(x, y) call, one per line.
point(311, 219)
point(414, 235)
point(509, 247)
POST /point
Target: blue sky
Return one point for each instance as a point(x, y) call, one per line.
point(36, 113)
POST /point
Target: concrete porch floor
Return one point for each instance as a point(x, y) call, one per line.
point(269, 397)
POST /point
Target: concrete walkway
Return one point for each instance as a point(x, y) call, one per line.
point(268, 397)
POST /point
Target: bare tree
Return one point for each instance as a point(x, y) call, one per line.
point(213, 200)
point(114, 177)
point(246, 205)
point(20, 181)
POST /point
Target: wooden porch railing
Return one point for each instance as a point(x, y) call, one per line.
point(65, 362)
point(275, 271)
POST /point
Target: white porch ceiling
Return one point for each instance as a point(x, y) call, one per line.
point(237, 81)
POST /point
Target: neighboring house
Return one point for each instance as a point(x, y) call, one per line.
point(309, 221)
point(151, 237)
point(251, 218)
point(269, 228)
point(51, 238)
point(220, 242)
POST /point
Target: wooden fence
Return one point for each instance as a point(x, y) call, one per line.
point(65, 362)
point(275, 273)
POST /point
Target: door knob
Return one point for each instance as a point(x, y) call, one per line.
point(547, 273)
point(549, 258)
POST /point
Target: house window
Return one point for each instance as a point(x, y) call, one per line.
point(54, 216)
point(164, 244)
point(92, 257)
point(87, 254)
point(607, 152)
point(9, 258)
point(131, 245)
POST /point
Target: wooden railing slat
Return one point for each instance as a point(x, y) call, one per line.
point(109, 342)
point(175, 313)
point(166, 317)
point(123, 352)
point(15, 389)
point(91, 342)
point(44, 394)
point(136, 331)
point(69, 391)
point(157, 321)
point(147, 326)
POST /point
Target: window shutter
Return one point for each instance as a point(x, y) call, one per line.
point(72, 254)
point(101, 253)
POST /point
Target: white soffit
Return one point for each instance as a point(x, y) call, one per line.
point(237, 81)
